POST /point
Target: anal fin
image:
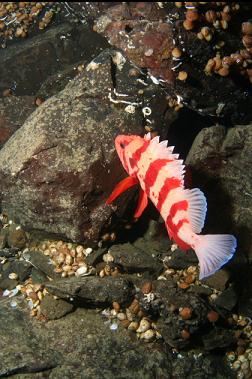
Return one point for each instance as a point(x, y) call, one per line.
point(142, 204)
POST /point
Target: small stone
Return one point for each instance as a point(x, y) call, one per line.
point(125, 323)
point(224, 71)
point(240, 351)
point(134, 306)
point(13, 276)
point(188, 25)
point(33, 295)
point(143, 326)
point(146, 287)
point(68, 259)
point(38, 101)
point(7, 92)
point(236, 365)
point(149, 335)
point(186, 313)
point(133, 326)
point(212, 316)
point(17, 238)
point(183, 285)
point(231, 356)
point(116, 306)
point(88, 251)
point(54, 309)
point(121, 316)
point(182, 75)
point(219, 280)
point(185, 334)
point(189, 279)
point(66, 268)
point(108, 258)
point(114, 326)
point(242, 358)
point(82, 270)
point(245, 366)
point(176, 53)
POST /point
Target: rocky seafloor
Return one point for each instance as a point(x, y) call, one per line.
point(86, 291)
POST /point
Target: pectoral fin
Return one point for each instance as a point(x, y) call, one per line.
point(142, 204)
point(121, 187)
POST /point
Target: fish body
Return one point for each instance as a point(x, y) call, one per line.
point(160, 174)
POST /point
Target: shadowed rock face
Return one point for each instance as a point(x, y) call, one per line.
point(147, 35)
point(59, 167)
point(221, 160)
point(13, 112)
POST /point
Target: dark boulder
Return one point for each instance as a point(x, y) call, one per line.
point(92, 290)
point(220, 160)
point(147, 33)
point(58, 169)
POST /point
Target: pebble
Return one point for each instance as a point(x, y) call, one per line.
point(186, 313)
point(185, 334)
point(212, 316)
point(88, 251)
point(236, 365)
point(121, 316)
point(79, 249)
point(81, 270)
point(129, 315)
point(133, 326)
point(148, 335)
point(108, 258)
point(231, 356)
point(116, 306)
point(125, 323)
point(146, 287)
point(242, 358)
point(134, 306)
point(189, 279)
point(13, 276)
point(143, 326)
point(183, 285)
point(114, 326)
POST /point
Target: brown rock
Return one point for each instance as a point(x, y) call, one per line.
point(62, 164)
point(17, 238)
point(218, 281)
point(13, 112)
point(148, 40)
point(146, 287)
point(54, 309)
point(215, 157)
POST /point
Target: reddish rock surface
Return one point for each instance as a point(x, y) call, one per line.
point(60, 166)
point(147, 34)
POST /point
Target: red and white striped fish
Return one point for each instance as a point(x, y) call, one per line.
point(160, 174)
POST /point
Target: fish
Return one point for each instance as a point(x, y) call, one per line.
point(160, 174)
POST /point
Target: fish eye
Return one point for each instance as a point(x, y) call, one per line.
point(122, 145)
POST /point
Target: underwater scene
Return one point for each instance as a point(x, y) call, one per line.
point(125, 190)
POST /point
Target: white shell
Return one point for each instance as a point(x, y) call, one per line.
point(82, 270)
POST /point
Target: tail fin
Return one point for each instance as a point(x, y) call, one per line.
point(213, 251)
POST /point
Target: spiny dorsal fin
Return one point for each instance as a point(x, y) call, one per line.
point(160, 150)
point(197, 208)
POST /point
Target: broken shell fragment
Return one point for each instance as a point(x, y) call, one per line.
point(143, 326)
point(149, 335)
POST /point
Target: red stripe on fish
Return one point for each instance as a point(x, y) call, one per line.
point(169, 184)
point(137, 154)
point(152, 173)
point(174, 228)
